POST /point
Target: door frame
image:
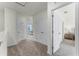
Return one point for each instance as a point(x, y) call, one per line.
point(52, 11)
point(77, 27)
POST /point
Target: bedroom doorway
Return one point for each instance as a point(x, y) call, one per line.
point(63, 27)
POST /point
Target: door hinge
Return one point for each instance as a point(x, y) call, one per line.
point(52, 15)
point(52, 31)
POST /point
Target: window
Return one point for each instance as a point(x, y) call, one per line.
point(29, 26)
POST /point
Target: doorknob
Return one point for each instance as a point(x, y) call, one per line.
point(59, 33)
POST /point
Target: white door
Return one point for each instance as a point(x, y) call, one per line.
point(57, 30)
point(64, 14)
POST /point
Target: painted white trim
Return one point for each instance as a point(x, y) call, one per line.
point(77, 28)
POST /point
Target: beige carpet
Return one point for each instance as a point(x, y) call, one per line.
point(69, 42)
point(65, 50)
point(28, 48)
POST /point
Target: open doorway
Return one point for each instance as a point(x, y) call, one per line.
point(64, 30)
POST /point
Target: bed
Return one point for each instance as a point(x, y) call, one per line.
point(69, 33)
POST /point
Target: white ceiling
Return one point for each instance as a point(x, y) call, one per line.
point(30, 8)
point(57, 4)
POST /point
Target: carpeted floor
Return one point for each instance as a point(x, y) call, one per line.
point(28, 48)
point(67, 48)
point(69, 42)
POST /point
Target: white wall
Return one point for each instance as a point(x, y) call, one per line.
point(1, 20)
point(16, 25)
point(21, 22)
point(68, 18)
point(40, 25)
point(10, 26)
